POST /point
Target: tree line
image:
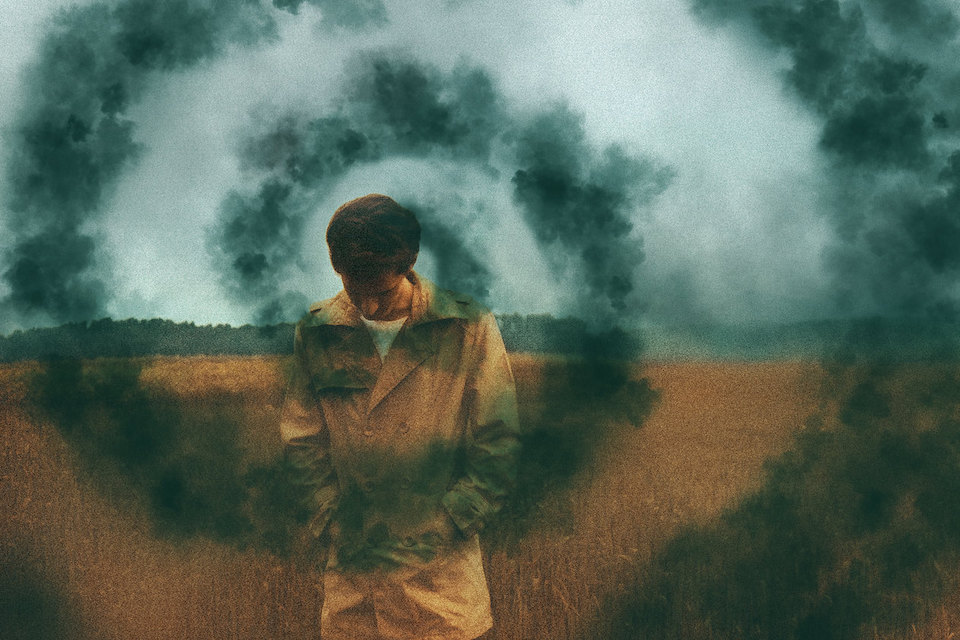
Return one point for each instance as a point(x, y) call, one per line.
point(540, 333)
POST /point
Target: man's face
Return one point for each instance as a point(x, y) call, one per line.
point(379, 296)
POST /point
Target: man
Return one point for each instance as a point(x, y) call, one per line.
point(401, 424)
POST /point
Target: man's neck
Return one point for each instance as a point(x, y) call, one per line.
point(399, 304)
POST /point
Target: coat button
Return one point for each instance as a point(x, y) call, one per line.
point(367, 431)
point(405, 482)
point(404, 427)
point(367, 485)
point(409, 541)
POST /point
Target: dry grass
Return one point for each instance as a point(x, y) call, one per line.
point(701, 450)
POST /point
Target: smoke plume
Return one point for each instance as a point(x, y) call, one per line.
point(73, 138)
point(457, 265)
point(264, 232)
point(879, 75)
point(854, 526)
point(578, 201)
point(392, 107)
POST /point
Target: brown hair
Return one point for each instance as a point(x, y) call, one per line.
point(371, 234)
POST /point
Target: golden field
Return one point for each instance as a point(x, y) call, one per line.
point(699, 453)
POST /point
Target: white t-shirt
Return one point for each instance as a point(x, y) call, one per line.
point(383, 333)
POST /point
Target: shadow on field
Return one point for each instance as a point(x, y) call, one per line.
point(856, 531)
point(182, 461)
point(32, 606)
point(577, 407)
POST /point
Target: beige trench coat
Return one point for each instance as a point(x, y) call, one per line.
point(403, 462)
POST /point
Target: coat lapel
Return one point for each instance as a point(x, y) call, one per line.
point(339, 349)
point(411, 347)
point(419, 337)
point(346, 355)
point(341, 357)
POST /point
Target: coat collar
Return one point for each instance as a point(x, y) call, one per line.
point(352, 352)
point(429, 304)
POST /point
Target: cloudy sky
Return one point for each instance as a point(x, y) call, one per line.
point(621, 160)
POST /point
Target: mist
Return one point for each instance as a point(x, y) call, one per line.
point(703, 213)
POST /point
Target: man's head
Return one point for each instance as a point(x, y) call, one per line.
point(373, 244)
point(373, 234)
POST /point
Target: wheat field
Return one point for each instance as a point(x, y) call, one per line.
point(98, 562)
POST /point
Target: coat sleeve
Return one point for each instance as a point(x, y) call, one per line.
point(307, 443)
point(492, 442)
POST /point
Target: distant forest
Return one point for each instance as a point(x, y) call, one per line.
point(884, 338)
point(129, 338)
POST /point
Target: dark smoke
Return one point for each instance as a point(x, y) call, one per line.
point(54, 269)
point(578, 200)
point(411, 108)
point(347, 14)
point(457, 264)
point(934, 225)
point(882, 78)
point(855, 531)
point(72, 137)
point(180, 458)
point(579, 203)
point(34, 603)
point(265, 232)
point(68, 147)
point(392, 107)
point(931, 20)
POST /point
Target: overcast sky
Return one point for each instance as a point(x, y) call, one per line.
point(733, 178)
